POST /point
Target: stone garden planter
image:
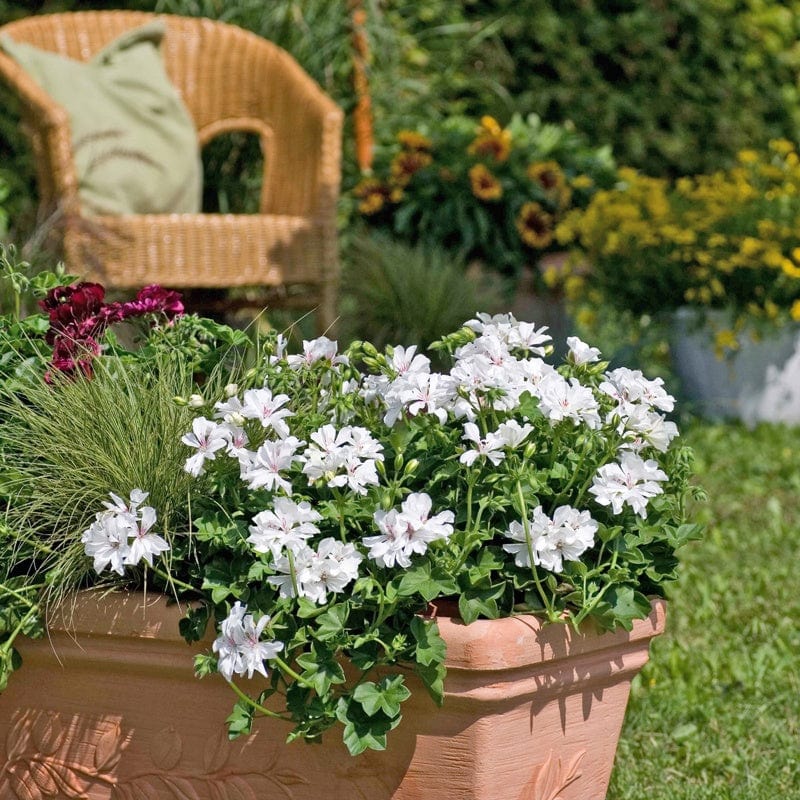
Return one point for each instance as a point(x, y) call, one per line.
point(109, 708)
point(760, 382)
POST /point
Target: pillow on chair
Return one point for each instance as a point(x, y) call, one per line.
point(134, 142)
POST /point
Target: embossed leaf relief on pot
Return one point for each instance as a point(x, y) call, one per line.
point(552, 777)
point(42, 762)
point(38, 764)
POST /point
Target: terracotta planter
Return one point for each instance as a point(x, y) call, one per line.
point(112, 710)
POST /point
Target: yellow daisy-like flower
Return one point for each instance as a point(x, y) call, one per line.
point(794, 311)
point(781, 146)
point(491, 140)
point(535, 225)
point(373, 194)
point(408, 162)
point(747, 157)
point(582, 182)
point(411, 140)
point(485, 186)
point(788, 267)
point(549, 176)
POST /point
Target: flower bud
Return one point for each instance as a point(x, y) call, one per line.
point(196, 401)
point(411, 467)
point(231, 389)
point(180, 401)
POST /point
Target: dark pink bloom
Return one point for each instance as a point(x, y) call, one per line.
point(155, 299)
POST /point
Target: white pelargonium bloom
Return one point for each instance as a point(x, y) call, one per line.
point(144, 542)
point(629, 387)
point(490, 448)
point(207, 437)
point(580, 352)
point(564, 537)
point(264, 468)
point(239, 647)
point(123, 534)
point(311, 573)
point(268, 410)
point(407, 531)
point(645, 428)
point(106, 542)
point(344, 457)
point(560, 399)
point(631, 481)
point(288, 526)
point(319, 349)
point(512, 434)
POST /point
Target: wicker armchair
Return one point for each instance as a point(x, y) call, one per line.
point(231, 80)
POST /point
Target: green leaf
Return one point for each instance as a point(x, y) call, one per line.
point(193, 626)
point(362, 732)
point(240, 720)
point(384, 696)
point(474, 603)
point(431, 648)
point(433, 677)
point(330, 624)
point(428, 583)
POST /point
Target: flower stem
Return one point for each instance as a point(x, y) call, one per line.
point(257, 706)
point(291, 673)
point(171, 581)
point(529, 544)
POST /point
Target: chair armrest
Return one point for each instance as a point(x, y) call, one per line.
point(49, 128)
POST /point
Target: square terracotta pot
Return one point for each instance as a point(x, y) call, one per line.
point(109, 707)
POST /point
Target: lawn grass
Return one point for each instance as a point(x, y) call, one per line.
point(716, 712)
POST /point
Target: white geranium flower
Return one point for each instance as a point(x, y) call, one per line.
point(319, 349)
point(643, 428)
point(631, 481)
point(565, 537)
point(405, 360)
point(489, 448)
point(106, 542)
point(208, 437)
point(512, 434)
point(561, 399)
point(328, 569)
point(263, 470)
point(346, 457)
point(238, 647)
point(629, 387)
point(580, 352)
point(144, 542)
point(408, 531)
point(268, 410)
point(288, 526)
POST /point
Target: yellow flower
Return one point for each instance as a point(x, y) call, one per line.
point(794, 311)
point(781, 146)
point(582, 182)
point(491, 140)
point(789, 268)
point(484, 185)
point(771, 310)
point(587, 318)
point(411, 140)
point(373, 194)
point(747, 157)
point(726, 340)
point(408, 162)
point(535, 225)
point(549, 176)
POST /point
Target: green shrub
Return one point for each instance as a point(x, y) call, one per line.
point(678, 87)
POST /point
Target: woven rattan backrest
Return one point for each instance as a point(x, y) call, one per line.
point(229, 79)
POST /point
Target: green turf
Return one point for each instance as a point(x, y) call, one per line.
point(716, 712)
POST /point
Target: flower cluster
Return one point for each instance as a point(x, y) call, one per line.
point(79, 317)
point(497, 193)
point(123, 535)
point(725, 240)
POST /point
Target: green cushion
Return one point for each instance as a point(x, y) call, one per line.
point(134, 142)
